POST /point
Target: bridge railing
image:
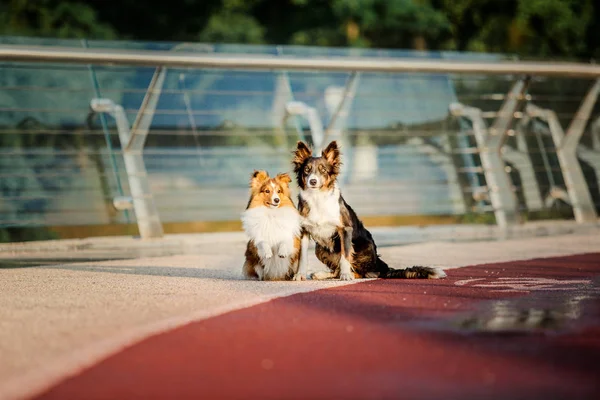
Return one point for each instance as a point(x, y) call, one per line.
point(170, 135)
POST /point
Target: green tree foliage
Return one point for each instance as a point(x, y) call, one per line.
point(52, 18)
point(529, 28)
point(233, 23)
point(552, 27)
point(376, 23)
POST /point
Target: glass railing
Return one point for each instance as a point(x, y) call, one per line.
point(61, 164)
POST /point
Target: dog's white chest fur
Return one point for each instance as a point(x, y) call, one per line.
point(271, 225)
point(273, 231)
point(324, 213)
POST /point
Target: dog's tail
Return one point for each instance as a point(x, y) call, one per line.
point(415, 272)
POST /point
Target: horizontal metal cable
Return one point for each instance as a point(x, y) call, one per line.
point(238, 111)
point(563, 98)
point(194, 156)
point(385, 165)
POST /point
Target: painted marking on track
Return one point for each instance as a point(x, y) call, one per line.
point(524, 284)
point(466, 281)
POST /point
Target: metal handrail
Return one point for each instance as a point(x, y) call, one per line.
point(267, 62)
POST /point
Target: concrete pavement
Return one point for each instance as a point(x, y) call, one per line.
point(56, 320)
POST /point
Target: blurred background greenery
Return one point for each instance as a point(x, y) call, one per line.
point(559, 29)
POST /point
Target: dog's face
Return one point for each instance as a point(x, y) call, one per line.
point(317, 173)
point(269, 192)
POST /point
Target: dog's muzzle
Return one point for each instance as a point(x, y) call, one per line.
point(313, 181)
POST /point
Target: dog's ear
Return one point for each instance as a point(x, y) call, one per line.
point(333, 156)
point(283, 179)
point(301, 153)
point(258, 178)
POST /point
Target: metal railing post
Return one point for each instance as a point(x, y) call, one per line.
point(338, 120)
point(490, 142)
point(132, 145)
point(500, 185)
point(299, 108)
point(592, 155)
point(595, 130)
point(500, 190)
point(566, 151)
point(146, 111)
point(337, 124)
point(519, 157)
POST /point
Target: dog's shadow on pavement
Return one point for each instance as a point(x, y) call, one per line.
point(230, 273)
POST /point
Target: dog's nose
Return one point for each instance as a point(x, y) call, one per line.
point(313, 182)
point(276, 200)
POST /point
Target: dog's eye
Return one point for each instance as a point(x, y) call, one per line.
point(322, 169)
point(267, 191)
point(279, 191)
point(307, 169)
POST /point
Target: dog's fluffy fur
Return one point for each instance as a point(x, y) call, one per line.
point(272, 223)
point(341, 240)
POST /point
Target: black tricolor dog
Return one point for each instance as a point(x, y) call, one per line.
point(342, 241)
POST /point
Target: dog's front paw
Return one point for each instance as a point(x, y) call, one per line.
point(268, 253)
point(299, 277)
point(346, 276)
point(265, 252)
point(285, 249)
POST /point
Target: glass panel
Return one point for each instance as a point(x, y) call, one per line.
point(61, 164)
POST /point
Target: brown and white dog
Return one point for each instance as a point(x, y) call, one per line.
point(272, 223)
point(341, 240)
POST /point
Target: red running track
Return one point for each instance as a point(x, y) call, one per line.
point(381, 339)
